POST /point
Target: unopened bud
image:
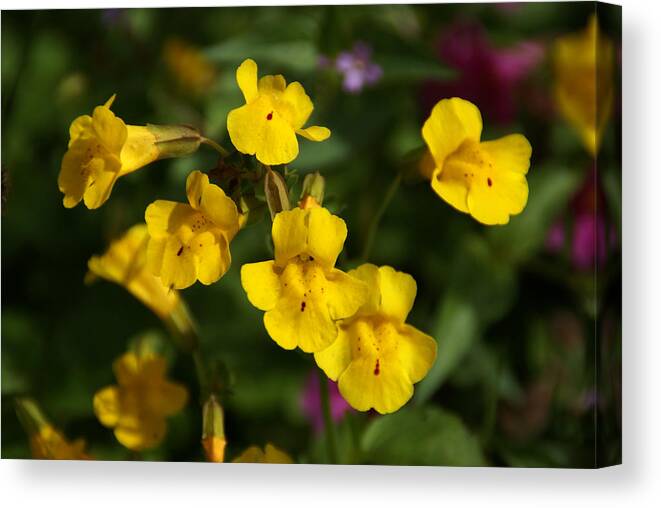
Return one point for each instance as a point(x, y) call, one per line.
point(312, 194)
point(175, 140)
point(213, 430)
point(275, 190)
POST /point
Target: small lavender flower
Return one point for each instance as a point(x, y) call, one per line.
point(357, 68)
point(311, 402)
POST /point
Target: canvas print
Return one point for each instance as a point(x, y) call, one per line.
point(359, 234)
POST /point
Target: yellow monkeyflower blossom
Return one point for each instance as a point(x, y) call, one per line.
point(47, 442)
point(486, 179)
point(377, 357)
point(266, 126)
point(301, 291)
point(270, 455)
point(125, 263)
point(584, 81)
point(138, 406)
point(192, 70)
point(190, 242)
point(102, 148)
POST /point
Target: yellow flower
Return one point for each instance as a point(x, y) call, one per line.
point(485, 179)
point(301, 291)
point(137, 408)
point(270, 455)
point(377, 357)
point(49, 443)
point(190, 242)
point(125, 263)
point(584, 82)
point(192, 70)
point(266, 126)
point(101, 149)
point(46, 442)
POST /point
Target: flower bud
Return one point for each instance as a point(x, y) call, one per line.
point(312, 194)
point(175, 140)
point(275, 191)
point(213, 431)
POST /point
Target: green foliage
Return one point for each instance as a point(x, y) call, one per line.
point(421, 437)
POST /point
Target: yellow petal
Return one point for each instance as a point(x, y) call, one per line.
point(213, 202)
point(290, 235)
point(315, 133)
point(261, 283)
point(335, 359)
point(299, 105)
point(509, 153)
point(246, 78)
point(138, 150)
point(301, 317)
point(166, 398)
point(451, 189)
point(72, 180)
point(366, 385)
point(109, 129)
point(452, 121)
point(107, 406)
point(103, 175)
point(80, 128)
point(141, 434)
point(272, 84)
point(503, 190)
point(326, 235)
point(213, 256)
point(258, 129)
point(416, 351)
point(398, 292)
point(126, 368)
point(369, 274)
point(273, 455)
point(344, 294)
point(164, 217)
point(179, 266)
point(251, 455)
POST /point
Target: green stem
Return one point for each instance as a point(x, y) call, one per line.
point(329, 427)
point(376, 220)
point(201, 372)
point(223, 153)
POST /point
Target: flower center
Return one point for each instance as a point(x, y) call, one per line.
point(468, 164)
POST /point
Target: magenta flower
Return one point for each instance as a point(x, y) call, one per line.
point(591, 236)
point(487, 75)
point(357, 68)
point(311, 402)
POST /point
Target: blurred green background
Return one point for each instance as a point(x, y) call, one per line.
point(529, 341)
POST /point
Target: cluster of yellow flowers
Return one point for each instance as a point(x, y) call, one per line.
point(353, 322)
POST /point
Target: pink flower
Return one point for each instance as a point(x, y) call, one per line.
point(591, 236)
point(487, 75)
point(311, 402)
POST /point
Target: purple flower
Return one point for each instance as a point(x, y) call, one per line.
point(357, 68)
point(591, 236)
point(487, 75)
point(311, 402)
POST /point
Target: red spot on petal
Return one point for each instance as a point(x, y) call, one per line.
point(181, 249)
point(302, 306)
point(489, 182)
point(269, 116)
point(377, 368)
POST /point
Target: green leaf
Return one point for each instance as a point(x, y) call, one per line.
point(422, 437)
point(456, 330)
point(551, 187)
point(410, 68)
point(297, 55)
